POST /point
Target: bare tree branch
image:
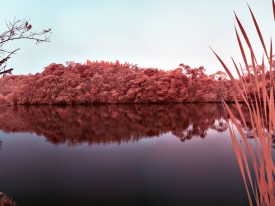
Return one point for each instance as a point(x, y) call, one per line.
point(19, 29)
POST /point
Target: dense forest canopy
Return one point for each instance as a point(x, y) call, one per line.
point(108, 82)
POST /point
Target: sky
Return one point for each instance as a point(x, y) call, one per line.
point(150, 33)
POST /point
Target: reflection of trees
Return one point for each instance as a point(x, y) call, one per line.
point(247, 126)
point(112, 123)
point(197, 119)
point(220, 125)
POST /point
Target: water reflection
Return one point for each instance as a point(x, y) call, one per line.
point(113, 123)
point(163, 171)
point(258, 174)
point(254, 157)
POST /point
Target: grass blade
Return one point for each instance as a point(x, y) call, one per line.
point(241, 48)
point(245, 35)
point(258, 31)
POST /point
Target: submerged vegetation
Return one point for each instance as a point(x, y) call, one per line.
point(254, 157)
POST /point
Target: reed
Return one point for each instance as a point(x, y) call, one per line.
point(256, 91)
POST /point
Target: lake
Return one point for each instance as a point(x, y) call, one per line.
point(173, 154)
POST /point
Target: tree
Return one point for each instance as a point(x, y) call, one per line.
point(18, 29)
point(219, 76)
point(193, 73)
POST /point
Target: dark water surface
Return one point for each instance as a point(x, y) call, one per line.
point(119, 155)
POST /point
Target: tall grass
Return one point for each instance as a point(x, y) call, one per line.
point(257, 92)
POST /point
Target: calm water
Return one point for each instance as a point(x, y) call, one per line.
point(119, 155)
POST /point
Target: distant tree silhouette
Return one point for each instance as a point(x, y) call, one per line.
point(18, 29)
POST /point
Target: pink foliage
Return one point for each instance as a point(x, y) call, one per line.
point(106, 82)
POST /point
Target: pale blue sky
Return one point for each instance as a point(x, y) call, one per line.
point(150, 33)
